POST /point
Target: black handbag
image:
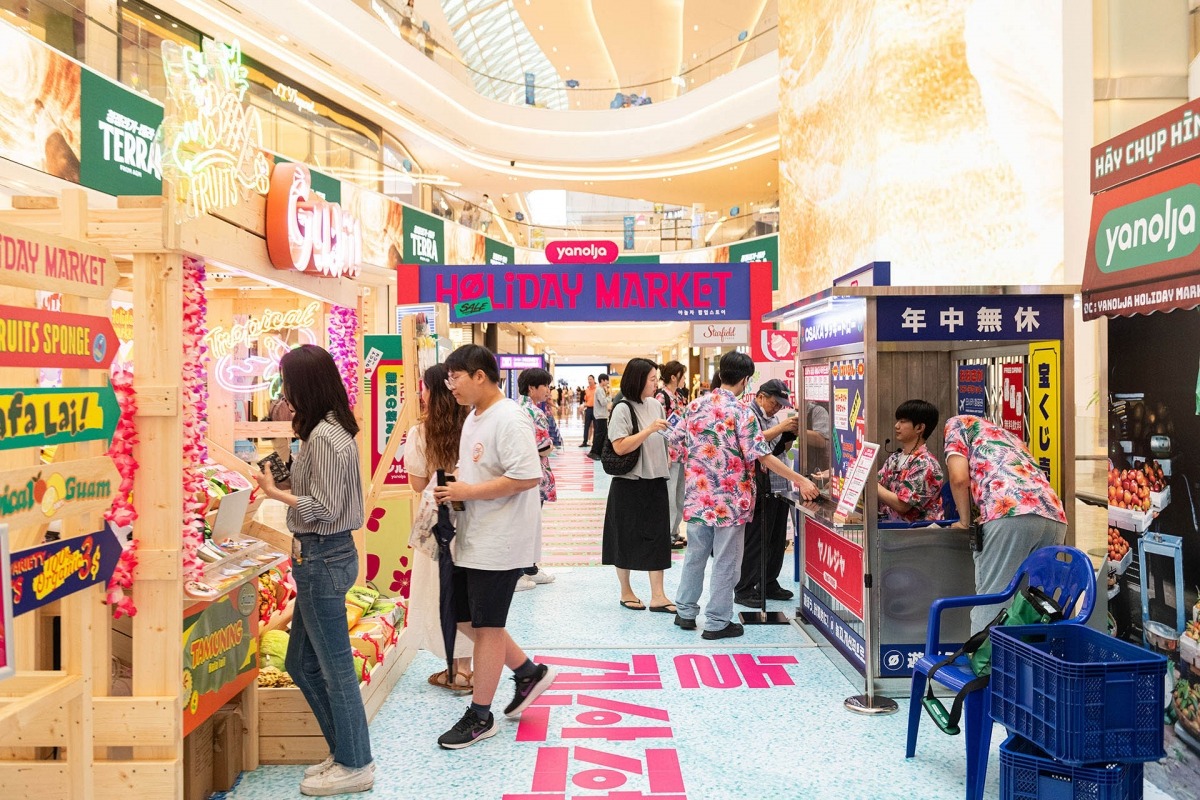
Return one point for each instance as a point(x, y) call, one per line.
point(613, 463)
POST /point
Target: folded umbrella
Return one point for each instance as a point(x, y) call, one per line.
point(443, 532)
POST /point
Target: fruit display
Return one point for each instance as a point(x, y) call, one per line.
point(1131, 488)
point(274, 678)
point(1186, 699)
point(1189, 647)
point(1117, 546)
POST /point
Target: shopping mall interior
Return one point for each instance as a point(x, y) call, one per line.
point(985, 206)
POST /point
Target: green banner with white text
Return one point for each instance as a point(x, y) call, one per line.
point(119, 154)
point(424, 237)
point(498, 252)
point(764, 248)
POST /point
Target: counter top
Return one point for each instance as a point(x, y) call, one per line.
point(823, 509)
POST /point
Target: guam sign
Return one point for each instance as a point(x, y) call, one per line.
point(37, 495)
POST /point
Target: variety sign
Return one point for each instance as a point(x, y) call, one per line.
point(835, 564)
point(7, 644)
point(38, 417)
point(33, 260)
point(307, 233)
point(37, 495)
point(58, 569)
point(31, 338)
point(965, 317)
point(1045, 431)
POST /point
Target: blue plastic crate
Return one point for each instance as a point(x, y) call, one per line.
point(1082, 696)
point(1026, 773)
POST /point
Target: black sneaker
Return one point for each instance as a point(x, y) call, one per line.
point(748, 600)
point(728, 632)
point(468, 730)
point(685, 623)
point(528, 690)
point(779, 593)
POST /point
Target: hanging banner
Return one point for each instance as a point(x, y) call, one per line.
point(55, 570)
point(120, 152)
point(39, 417)
point(765, 248)
point(648, 258)
point(498, 252)
point(31, 338)
point(1045, 425)
point(835, 564)
point(40, 494)
point(972, 389)
point(630, 237)
point(424, 237)
point(220, 652)
point(384, 354)
point(1012, 399)
point(967, 317)
point(41, 261)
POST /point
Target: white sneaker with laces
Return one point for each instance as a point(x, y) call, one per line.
point(339, 780)
point(317, 769)
point(541, 576)
point(525, 582)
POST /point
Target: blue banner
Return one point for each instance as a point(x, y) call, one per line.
point(53, 571)
point(530, 89)
point(970, 317)
point(972, 389)
point(838, 326)
point(593, 292)
point(835, 629)
point(899, 660)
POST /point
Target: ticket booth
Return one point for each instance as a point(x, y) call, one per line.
point(1000, 352)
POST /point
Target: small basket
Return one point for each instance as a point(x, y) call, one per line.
point(1026, 773)
point(1078, 694)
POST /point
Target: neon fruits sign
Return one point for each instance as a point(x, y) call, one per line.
point(307, 233)
point(257, 372)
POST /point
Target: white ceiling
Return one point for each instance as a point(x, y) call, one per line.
point(584, 342)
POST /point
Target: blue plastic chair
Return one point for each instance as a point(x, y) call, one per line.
point(1063, 573)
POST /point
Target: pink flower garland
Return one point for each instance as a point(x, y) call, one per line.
point(122, 512)
point(195, 415)
point(343, 346)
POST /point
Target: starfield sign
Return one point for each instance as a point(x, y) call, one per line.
point(37, 495)
point(34, 260)
point(58, 569)
point(33, 338)
point(38, 417)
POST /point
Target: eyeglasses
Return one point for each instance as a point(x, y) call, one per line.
point(452, 381)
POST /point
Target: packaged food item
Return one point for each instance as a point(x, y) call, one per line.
point(272, 649)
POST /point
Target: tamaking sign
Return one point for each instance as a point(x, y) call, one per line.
point(966, 317)
point(35, 260)
point(39, 494)
point(55, 570)
point(220, 652)
point(37, 417)
point(32, 338)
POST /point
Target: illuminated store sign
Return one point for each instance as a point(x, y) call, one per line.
point(290, 94)
point(213, 152)
point(256, 372)
point(307, 233)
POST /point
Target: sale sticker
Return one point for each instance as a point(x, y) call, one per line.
point(34, 338)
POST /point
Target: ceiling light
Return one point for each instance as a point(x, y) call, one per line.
point(541, 27)
point(695, 27)
point(693, 56)
point(749, 124)
point(158, 16)
point(568, 69)
point(768, 183)
point(554, 49)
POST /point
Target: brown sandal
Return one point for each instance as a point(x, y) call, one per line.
point(442, 679)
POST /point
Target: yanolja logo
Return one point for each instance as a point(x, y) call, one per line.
point(1148, 231)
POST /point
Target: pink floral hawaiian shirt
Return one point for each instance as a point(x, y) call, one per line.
point(916, 478)
point(721, 440)
point(1005, 480)
point(541, 437)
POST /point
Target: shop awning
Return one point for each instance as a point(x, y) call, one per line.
point(1144, 249)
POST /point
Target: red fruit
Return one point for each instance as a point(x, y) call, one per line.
point(39, 489)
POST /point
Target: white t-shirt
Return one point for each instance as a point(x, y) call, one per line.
point(414, 452)
point(505, 533)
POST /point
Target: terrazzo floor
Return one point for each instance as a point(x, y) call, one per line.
point(643, 709)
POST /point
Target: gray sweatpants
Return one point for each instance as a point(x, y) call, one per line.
point(675, 493)
point(1006, 543)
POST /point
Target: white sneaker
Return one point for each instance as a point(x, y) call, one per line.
point(525, 582)
point(339, 780)
point(317, 769)
point(541, 576)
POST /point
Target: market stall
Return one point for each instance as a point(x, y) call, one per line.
point(1000, 352)
point(1142, 273)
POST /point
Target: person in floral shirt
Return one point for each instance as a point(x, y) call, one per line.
point(910, 481)
point(1016, 506)
point(721, 441)
point(534, 386)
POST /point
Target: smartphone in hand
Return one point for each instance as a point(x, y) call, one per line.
point(442, 480)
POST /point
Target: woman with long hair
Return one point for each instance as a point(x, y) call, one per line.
point(325, 506)
point(432, 445)
point(637, 534)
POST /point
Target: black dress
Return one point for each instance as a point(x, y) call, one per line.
point(637, 525)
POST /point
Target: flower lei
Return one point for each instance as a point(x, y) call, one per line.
point(122, 512)
point(343, 346)
point(195, 415)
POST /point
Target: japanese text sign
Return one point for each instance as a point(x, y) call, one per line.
point(972, 389)
point(1012, 398)
point(55, 570)
point(856, 480)
point(385, 389)
point(967, 317)
point(835, 564)
point(837, 326)
point(1045, 423)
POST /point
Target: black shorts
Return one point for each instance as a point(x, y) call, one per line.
point(482, 596)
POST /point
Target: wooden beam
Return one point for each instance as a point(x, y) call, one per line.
point(44, 780)
point(158, 401)
point(114, 780)
point(23, 711)
point(129, 721)
point(159, 564)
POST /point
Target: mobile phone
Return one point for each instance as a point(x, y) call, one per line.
point(442, 480)
point(279, 470)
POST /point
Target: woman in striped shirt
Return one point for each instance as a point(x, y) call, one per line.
point(325, 506)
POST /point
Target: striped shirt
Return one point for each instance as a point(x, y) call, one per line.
point(327, 481)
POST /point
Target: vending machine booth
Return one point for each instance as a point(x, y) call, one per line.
point(1004, 353)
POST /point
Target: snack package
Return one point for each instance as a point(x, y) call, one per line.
point(362, 667)
point(272, 650)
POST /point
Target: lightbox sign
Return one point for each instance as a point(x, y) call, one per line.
point(967, 317)
point(593, 292)
point(515, 362)
point(838, 326)
point(307, 233)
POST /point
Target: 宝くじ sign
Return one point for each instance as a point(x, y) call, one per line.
point(58, 569)
point(35, 338)
point(37, 495)
point(37, 417)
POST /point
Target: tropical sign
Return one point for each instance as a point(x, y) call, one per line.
point(38, 417)
point(35, 260)
point(35, 338)
point(58, 569)
point(37, 495)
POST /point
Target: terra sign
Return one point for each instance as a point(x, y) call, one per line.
point(306, 233)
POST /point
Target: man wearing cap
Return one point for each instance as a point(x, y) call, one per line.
point(769, 525)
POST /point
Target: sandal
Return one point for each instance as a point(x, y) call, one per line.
point(442, 679)
point(669, 608)
point(633, 605)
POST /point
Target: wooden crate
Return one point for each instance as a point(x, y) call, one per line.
point(287, 730)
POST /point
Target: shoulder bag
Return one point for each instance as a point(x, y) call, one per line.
point(615, 464)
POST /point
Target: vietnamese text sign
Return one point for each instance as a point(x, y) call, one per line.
point(835, 564)
point(1154, 145)
point(220, 652)
point(35, 260)
point(36, 495)
point(720, 334)
point(857, 479)
point(118, 129)
point(1012, 399)
point(1045, 424)
point(55, 570)
point(966, 317)
point(594, 292)
point(38, 417)
point(972, 389)
point(32, 338)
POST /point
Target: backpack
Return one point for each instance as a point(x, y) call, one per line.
point(1031, 606)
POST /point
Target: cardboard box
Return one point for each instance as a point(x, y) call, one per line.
point(227, 747)
point(198, 762)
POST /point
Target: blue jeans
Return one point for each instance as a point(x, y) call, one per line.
point(318, 656)
point(726, 545)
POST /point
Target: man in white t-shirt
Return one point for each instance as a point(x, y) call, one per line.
point(499, 533)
